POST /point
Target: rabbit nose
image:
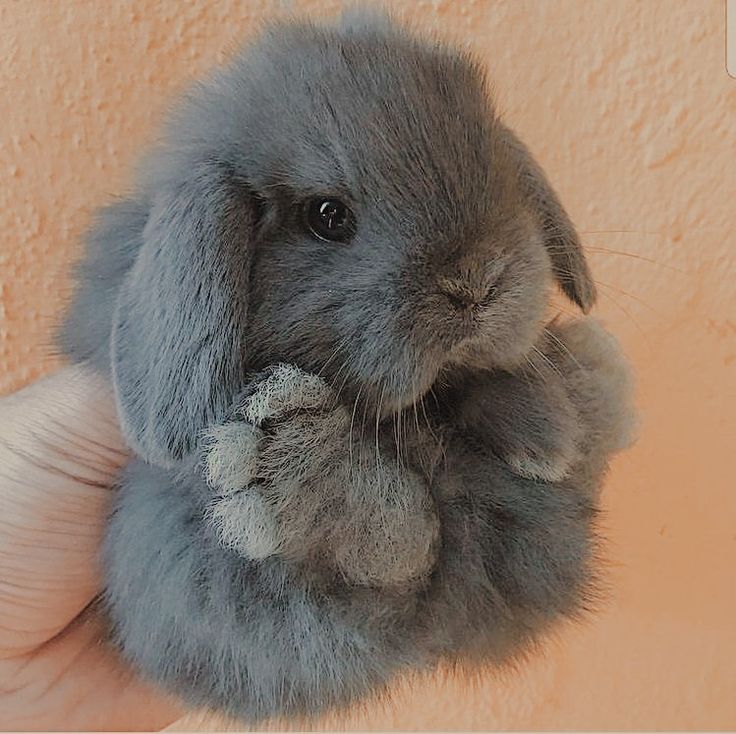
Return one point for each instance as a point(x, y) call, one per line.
point(465, 296)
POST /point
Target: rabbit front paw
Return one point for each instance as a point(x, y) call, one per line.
point(257, 464)
point(527, 419)
point(599, 380)
point(290, 481)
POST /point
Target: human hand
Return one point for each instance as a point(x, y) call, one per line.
point(60, 450)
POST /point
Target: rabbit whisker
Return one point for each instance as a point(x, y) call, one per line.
point(378, 421)
point(626, 312)
point(630, 295)
point(350, 438)
point(563, 346)
point(426, 417)
point(531, 363)
point(547, 360)
point(344, 367)
point(617, 304)
point(340, 346)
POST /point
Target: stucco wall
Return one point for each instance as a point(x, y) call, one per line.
point(629, 107)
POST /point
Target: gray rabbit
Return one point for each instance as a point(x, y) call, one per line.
point(359, 448)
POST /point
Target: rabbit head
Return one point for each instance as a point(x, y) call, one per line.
point(345, 199)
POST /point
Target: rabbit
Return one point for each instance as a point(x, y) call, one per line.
point(358, 448)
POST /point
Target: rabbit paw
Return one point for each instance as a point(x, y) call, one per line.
point(527, 420)
point(599, 381)
point(244, 513)
point(286, 483)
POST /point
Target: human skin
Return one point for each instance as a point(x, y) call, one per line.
point(60, 450)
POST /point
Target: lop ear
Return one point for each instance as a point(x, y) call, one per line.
point(560, 238)
point(178, 334)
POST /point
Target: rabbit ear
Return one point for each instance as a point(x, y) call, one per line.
point(560, 238)
point(177, 349)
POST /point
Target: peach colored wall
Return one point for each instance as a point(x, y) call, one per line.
point(629, 107)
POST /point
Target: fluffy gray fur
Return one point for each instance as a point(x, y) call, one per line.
point(354, 458)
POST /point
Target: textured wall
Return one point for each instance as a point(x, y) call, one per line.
point(629, 107)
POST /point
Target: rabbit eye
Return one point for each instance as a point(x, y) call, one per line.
point(329, 219)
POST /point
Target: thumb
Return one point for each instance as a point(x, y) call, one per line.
point(60, 451)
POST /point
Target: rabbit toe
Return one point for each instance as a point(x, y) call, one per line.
point(284, 388)
point(230, 455)
point(547, 465)
point(244, 522)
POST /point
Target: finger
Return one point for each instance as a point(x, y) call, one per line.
point(78, 682)
point(60, 450)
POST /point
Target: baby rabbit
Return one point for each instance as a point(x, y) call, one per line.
point(358, 447)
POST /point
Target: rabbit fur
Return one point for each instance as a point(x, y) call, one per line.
point(342, 470)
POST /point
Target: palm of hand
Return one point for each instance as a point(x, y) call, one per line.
point(59, 452)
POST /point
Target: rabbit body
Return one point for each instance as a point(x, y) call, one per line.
point(353, 457)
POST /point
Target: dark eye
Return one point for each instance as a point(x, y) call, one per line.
point(329, 219)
